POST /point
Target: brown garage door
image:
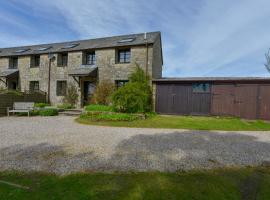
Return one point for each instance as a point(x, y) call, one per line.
point(264, 104)
point(181, 99)
point(223, 99)
point(246, 101)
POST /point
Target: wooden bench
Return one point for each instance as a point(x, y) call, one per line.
point(21, 107)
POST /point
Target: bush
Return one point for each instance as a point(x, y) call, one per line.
point(71, 96)
point(135, 96)
point(48, 112)
point(101, 108)
point(15, 92)
point(41, 105)
point(101, 116)
point(103, 93)
point(65, 106)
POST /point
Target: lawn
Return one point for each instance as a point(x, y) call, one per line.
point(186, 122)
point(248, 183)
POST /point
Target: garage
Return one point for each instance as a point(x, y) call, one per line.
point(241, 97)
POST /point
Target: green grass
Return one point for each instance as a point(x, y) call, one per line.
point(104, 116)
point(248, 183)
point(101, 108)
point(187, 122)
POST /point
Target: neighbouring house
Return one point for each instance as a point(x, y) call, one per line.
point(52, 67)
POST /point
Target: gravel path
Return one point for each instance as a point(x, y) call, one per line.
point(60, 145)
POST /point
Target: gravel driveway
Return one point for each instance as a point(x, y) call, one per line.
point(60, 145)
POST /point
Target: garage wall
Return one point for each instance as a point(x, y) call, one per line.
point(244, 100)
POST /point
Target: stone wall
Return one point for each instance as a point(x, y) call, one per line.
point(108, 69)
point(3, 66)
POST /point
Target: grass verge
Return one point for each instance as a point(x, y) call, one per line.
point(186, 122)
point(247, 183)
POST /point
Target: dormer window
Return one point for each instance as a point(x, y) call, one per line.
point(13, 63)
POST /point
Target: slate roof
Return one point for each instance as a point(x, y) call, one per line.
point(9, 73)
point(99, 43)
point(212, 79)
point(82, 71)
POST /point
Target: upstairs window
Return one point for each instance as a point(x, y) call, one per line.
point(201, 87)
point(61, 88)
point(34, 86)
point(35, 61)
point(123, 56)
point(62, 59)
point(13, 63)
point(90, 58)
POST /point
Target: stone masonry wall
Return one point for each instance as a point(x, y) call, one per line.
point(3, 66)
point(108, 69)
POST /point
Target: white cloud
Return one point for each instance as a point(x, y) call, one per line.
point(200, 37)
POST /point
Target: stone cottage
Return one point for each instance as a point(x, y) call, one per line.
point(52, 67)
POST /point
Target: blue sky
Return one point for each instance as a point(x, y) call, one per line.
point(200, 37)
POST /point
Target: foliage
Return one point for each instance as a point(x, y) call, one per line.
point(41, 105)
point(189, 122)
point(97, 107)
point(267, 64)
point(135, 96)
point(72, 95)
point(15, 92)
point(103, 93)
point(48, 112)
point(102, 116)
point(65, 106)
point(204, 185)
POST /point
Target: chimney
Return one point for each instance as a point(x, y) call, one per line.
point(145, 36)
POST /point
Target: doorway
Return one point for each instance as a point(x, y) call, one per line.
point(88, 91)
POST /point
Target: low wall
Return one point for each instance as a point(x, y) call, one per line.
point(7, 99)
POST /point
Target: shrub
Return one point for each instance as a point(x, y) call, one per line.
point(41, 105)
point(15, 92)
point(101, 116)
point(71, 96)
point(135, 96)
point(65, 106)
point(48, 112)
point(101, 108)
point(103, 93)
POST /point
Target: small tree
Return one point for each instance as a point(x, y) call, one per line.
point(103, 92)
point(135, 96)
point(71, 96)
point(267, 64)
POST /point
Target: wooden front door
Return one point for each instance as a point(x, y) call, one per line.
point(89, 89)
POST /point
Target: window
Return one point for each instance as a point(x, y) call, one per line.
point(70, 46)
point(120, 83)
point(21, 50)
point(61, 88)
point(13, 63)
point(90, 58)
point(43, 48)
point(201, 87)
point(123, 56)
point(35, 61)
point(34, 86)
point(126, 40)
point(62, 59)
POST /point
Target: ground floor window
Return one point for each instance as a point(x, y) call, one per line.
point(120, 83)
point(61, 88)
point(34, 86)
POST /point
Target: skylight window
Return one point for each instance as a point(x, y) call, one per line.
point(70, 46)
point(21, 50)
point(126, 40)
point(43, 48)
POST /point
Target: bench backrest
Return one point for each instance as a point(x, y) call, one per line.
point(23, 105)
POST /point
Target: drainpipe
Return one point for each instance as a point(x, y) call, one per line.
point(147, 52)
point(51, 58)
